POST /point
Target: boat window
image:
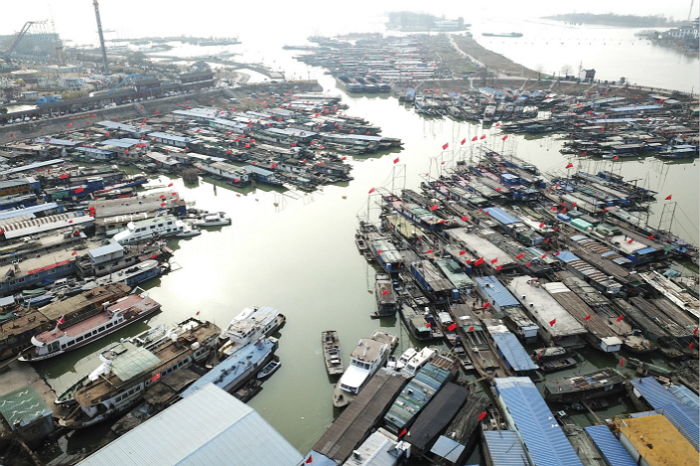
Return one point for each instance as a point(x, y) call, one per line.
point(101, 329)
point(80, 338)
point(109, 325)
point(70, 343)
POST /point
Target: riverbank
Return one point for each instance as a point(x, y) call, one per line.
point(491, 60)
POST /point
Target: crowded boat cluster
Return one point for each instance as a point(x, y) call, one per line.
point(491, 258)
point(605, 122)
point(293, 141)
point(373, 64)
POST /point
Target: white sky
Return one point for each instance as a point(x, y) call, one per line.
point(74, 19)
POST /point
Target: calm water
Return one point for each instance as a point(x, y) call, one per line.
point(300, 256)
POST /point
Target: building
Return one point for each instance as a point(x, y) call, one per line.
point(677, 403)
point(380, 449)
point(506, 306)
point(171, 139)
point(209, 427)
point(653, 441)
point(26, 413)
point(610, 448)
point(503, 448)
point(526, 413)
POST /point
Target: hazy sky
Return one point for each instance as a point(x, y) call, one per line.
point(74, 19)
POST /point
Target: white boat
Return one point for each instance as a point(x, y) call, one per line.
point(403, 359)
point(188, 231)
point(215, 219)
point(252, 324)
point(143, 230)
point(123, 312)
point(368, 356)
point(417, 361)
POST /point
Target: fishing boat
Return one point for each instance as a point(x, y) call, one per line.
point(216, 219)
point(128, 370)
point(132, 276)
point(597, 384)
point(422, 325)
point(331, 352)
point(368, 356)
point(387, 301)
point(269, 368)
point(62, 339)
point(250, 325)
point(553, 358)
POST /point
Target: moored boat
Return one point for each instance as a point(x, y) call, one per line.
point(331, 352)
point(367, 357)
point(215, 219)
point(597, 384)
point(62, 339)
point(268, 369)
point(128, 370)
point(387, 301)
point(250, 325)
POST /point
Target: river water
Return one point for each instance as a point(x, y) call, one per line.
point(297, 252)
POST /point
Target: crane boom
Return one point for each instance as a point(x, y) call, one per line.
point(101, 34)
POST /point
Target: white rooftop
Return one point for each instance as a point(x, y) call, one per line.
point(209, 427)
point(544, 308)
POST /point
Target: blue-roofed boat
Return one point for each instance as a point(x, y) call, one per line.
point(609, 446)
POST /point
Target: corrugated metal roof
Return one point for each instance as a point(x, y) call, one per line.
point(210, 427)
point(501, 216)
point(509, 345)
point(504, 448)
point(567, 256)
point(682, 413)
point(447, 448)
point(23, 406)
point(496, 291)
point(531, 418)
point(374, 451)
point(609, 446)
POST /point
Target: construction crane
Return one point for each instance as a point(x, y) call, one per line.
point(101, 34)
point(19, 36)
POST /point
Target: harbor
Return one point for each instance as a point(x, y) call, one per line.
point(469, 251)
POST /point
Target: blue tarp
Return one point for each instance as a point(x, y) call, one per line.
point(501, 216)
point(609, 446)
point(531, 418)
point(567, 256)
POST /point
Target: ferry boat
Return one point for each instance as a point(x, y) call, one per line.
point(123, 312)
point(216, 219)
point(387, 301)
point(368, 356)
point(133, 276)
point(128, 370)
point(250, 325)
point(159, 226)
point(597, 384)
point(331, 352)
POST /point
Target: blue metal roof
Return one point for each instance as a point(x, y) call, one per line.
point(567, 256)
point(682, 413)
point(644, 251)
point(609, 446)
point(31, 210)
point(495, 291)
point(685, 395)
point(501, 216)
point(514, 353)
point(504, 448)
point(542, 436)
point(635, 108)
